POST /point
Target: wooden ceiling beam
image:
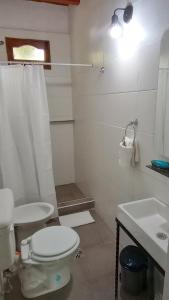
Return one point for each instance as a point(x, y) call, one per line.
point(59, 2)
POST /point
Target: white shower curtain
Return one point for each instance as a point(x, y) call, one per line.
point(25, 144)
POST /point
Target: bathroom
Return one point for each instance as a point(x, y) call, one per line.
point(95, 87)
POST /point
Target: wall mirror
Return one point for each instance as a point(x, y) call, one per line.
point(162, 109)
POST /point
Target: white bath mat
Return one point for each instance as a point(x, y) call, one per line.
point(77, 219)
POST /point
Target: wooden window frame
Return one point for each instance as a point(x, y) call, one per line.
point(18, 42)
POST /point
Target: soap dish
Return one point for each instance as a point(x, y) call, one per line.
point(161, 164)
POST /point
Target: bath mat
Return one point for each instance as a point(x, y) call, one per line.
point(76, 219)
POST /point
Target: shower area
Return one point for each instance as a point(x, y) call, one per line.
point(60, 123)
point(70, 196)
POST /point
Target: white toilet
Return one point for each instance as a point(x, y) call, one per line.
point(46, 256)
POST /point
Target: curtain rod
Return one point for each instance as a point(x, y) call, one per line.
point(47, 64)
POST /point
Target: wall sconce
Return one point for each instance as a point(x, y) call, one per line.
point(116, 27)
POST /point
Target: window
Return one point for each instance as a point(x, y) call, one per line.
point(28, 50)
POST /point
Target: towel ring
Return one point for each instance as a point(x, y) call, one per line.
point(134, 124)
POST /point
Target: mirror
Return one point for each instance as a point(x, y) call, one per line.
point(162, 109)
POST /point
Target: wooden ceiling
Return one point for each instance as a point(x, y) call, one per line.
point(59, 2)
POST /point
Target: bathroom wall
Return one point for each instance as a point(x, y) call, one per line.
point(105, 103)
point(27, 19)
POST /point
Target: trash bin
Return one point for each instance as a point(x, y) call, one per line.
point(133, 269)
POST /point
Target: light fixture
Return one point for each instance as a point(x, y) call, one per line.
point(116, 27)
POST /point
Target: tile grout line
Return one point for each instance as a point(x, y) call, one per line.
point(76, 204)
point(116, 93)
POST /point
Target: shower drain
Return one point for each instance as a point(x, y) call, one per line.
point(162, 235)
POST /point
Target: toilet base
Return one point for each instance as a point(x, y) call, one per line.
point(36, 281)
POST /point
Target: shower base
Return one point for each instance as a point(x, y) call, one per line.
point(71, 199)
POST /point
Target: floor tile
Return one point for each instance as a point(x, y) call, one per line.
point(103, 288)
point(95, 233)
point(97, 261)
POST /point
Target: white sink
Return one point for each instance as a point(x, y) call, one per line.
point(145, 219)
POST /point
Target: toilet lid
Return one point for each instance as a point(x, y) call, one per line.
point(53, 241)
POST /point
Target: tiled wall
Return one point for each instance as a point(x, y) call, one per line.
point(26, 19)
point(104, 103)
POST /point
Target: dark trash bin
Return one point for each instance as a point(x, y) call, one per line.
point(133, 269)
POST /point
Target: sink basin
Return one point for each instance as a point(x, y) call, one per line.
point(148, 221)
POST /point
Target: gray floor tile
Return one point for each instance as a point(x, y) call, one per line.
point(95, 233)
point(103, 288)
point(97, 261)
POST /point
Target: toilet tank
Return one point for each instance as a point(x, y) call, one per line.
point(7, 239)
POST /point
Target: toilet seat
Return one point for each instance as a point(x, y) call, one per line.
point(51, 243)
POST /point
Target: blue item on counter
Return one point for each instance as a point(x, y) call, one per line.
point(161, 164)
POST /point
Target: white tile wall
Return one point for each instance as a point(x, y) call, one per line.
point(104, 103)
point(29, 15)
point(63, 153)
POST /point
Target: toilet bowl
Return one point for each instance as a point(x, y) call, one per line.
point(29, 218)
point(47, 257)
